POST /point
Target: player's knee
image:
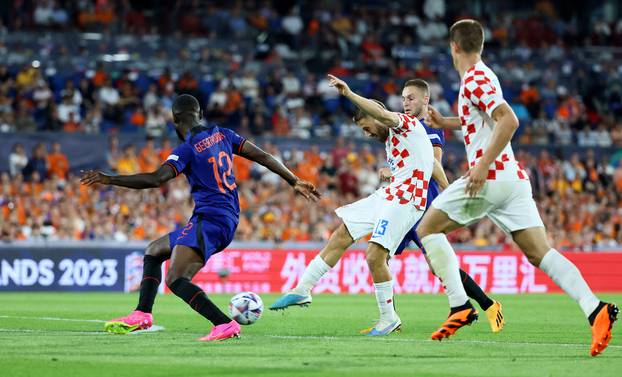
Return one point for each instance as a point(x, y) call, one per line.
point(171, 277)
point(376, 256)
point(422, 230)
point(155, 249)
point(343, 235)
point(535, 257)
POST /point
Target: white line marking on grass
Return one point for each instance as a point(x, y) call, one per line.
point(491, 342)
point(53, 319)
point(154, 328)
point(53, 331)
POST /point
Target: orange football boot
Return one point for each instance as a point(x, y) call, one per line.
point(601, 329)
point(454, 322)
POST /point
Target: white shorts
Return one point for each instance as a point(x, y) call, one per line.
point(508, 204)
point(387, 221)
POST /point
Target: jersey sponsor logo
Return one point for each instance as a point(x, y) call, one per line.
point(173, 157)
point(208, 142)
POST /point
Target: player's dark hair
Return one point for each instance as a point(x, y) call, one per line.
point(185, 103)
point(468, 34)
point(360, 114)
point(419, 83)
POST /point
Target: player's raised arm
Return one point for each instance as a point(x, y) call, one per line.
point(254, 153)
point(368, 106)
point(434, 119)
point(135, 181)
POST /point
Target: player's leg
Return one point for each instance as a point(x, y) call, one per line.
point(492, 308)
point(444, 263)
point(449, 211)
point(185, 263)
point(376, 257)
point(156, 253)
point(534, 244)
point(141, 318)
point(358, 221)
point(337, 245)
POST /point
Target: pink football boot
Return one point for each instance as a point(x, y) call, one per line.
point(137, 320)
point(222, 332)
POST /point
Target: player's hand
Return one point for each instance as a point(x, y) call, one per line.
point(91, 177)
point(307, 189)
point(434, 118)
point(384, 174)
point(339, 84)
point(476, 177)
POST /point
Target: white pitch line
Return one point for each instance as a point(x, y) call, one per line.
point(53, 331)
point(52, 319)
point(491, 342)
point(153, 328)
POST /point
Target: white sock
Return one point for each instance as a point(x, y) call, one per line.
point(567, 276)
point(313, 273)
point(384, 297)
point(445, 264)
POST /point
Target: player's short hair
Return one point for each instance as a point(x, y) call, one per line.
point(419, 83)
point(184, 103)
point(360, 114)
point(468, 34)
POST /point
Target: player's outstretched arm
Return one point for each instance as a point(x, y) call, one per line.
point(438, 173)
point(434, 119)
point(135, 181)
point(368, 106)
point(254, 153)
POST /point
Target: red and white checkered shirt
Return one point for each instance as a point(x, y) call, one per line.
point(411, 158)
point(480, 94)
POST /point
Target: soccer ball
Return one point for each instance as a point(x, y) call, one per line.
point(245, 308)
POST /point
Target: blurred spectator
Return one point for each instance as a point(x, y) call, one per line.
point(155, 123)
point(165, 150)
point(128, 162)
point(58, 162)
point(17, 160)
point(113, 155)
point(38, 163)
point(148, 160)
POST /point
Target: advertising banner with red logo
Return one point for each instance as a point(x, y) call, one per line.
point(275, 271)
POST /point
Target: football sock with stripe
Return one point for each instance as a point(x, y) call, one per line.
point(474, 291)
point(384, 298)
point(197, 299)
point(152, 276)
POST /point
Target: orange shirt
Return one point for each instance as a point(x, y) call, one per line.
point(128, 165)
point(307, 171)
point(99, 78)
point(148, 160)
point(164, 153)
point(137, 119)
point(59, 165)
point(314, 159)
point(241, 168)
point(70, 126)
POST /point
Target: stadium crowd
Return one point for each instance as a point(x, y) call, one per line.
point(560, 92)
point(41, 199)
point(259, 68)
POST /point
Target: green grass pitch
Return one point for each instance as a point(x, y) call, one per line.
point(545, 335)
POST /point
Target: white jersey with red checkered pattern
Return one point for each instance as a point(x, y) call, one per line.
point(480, 95)
point(411, 158)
